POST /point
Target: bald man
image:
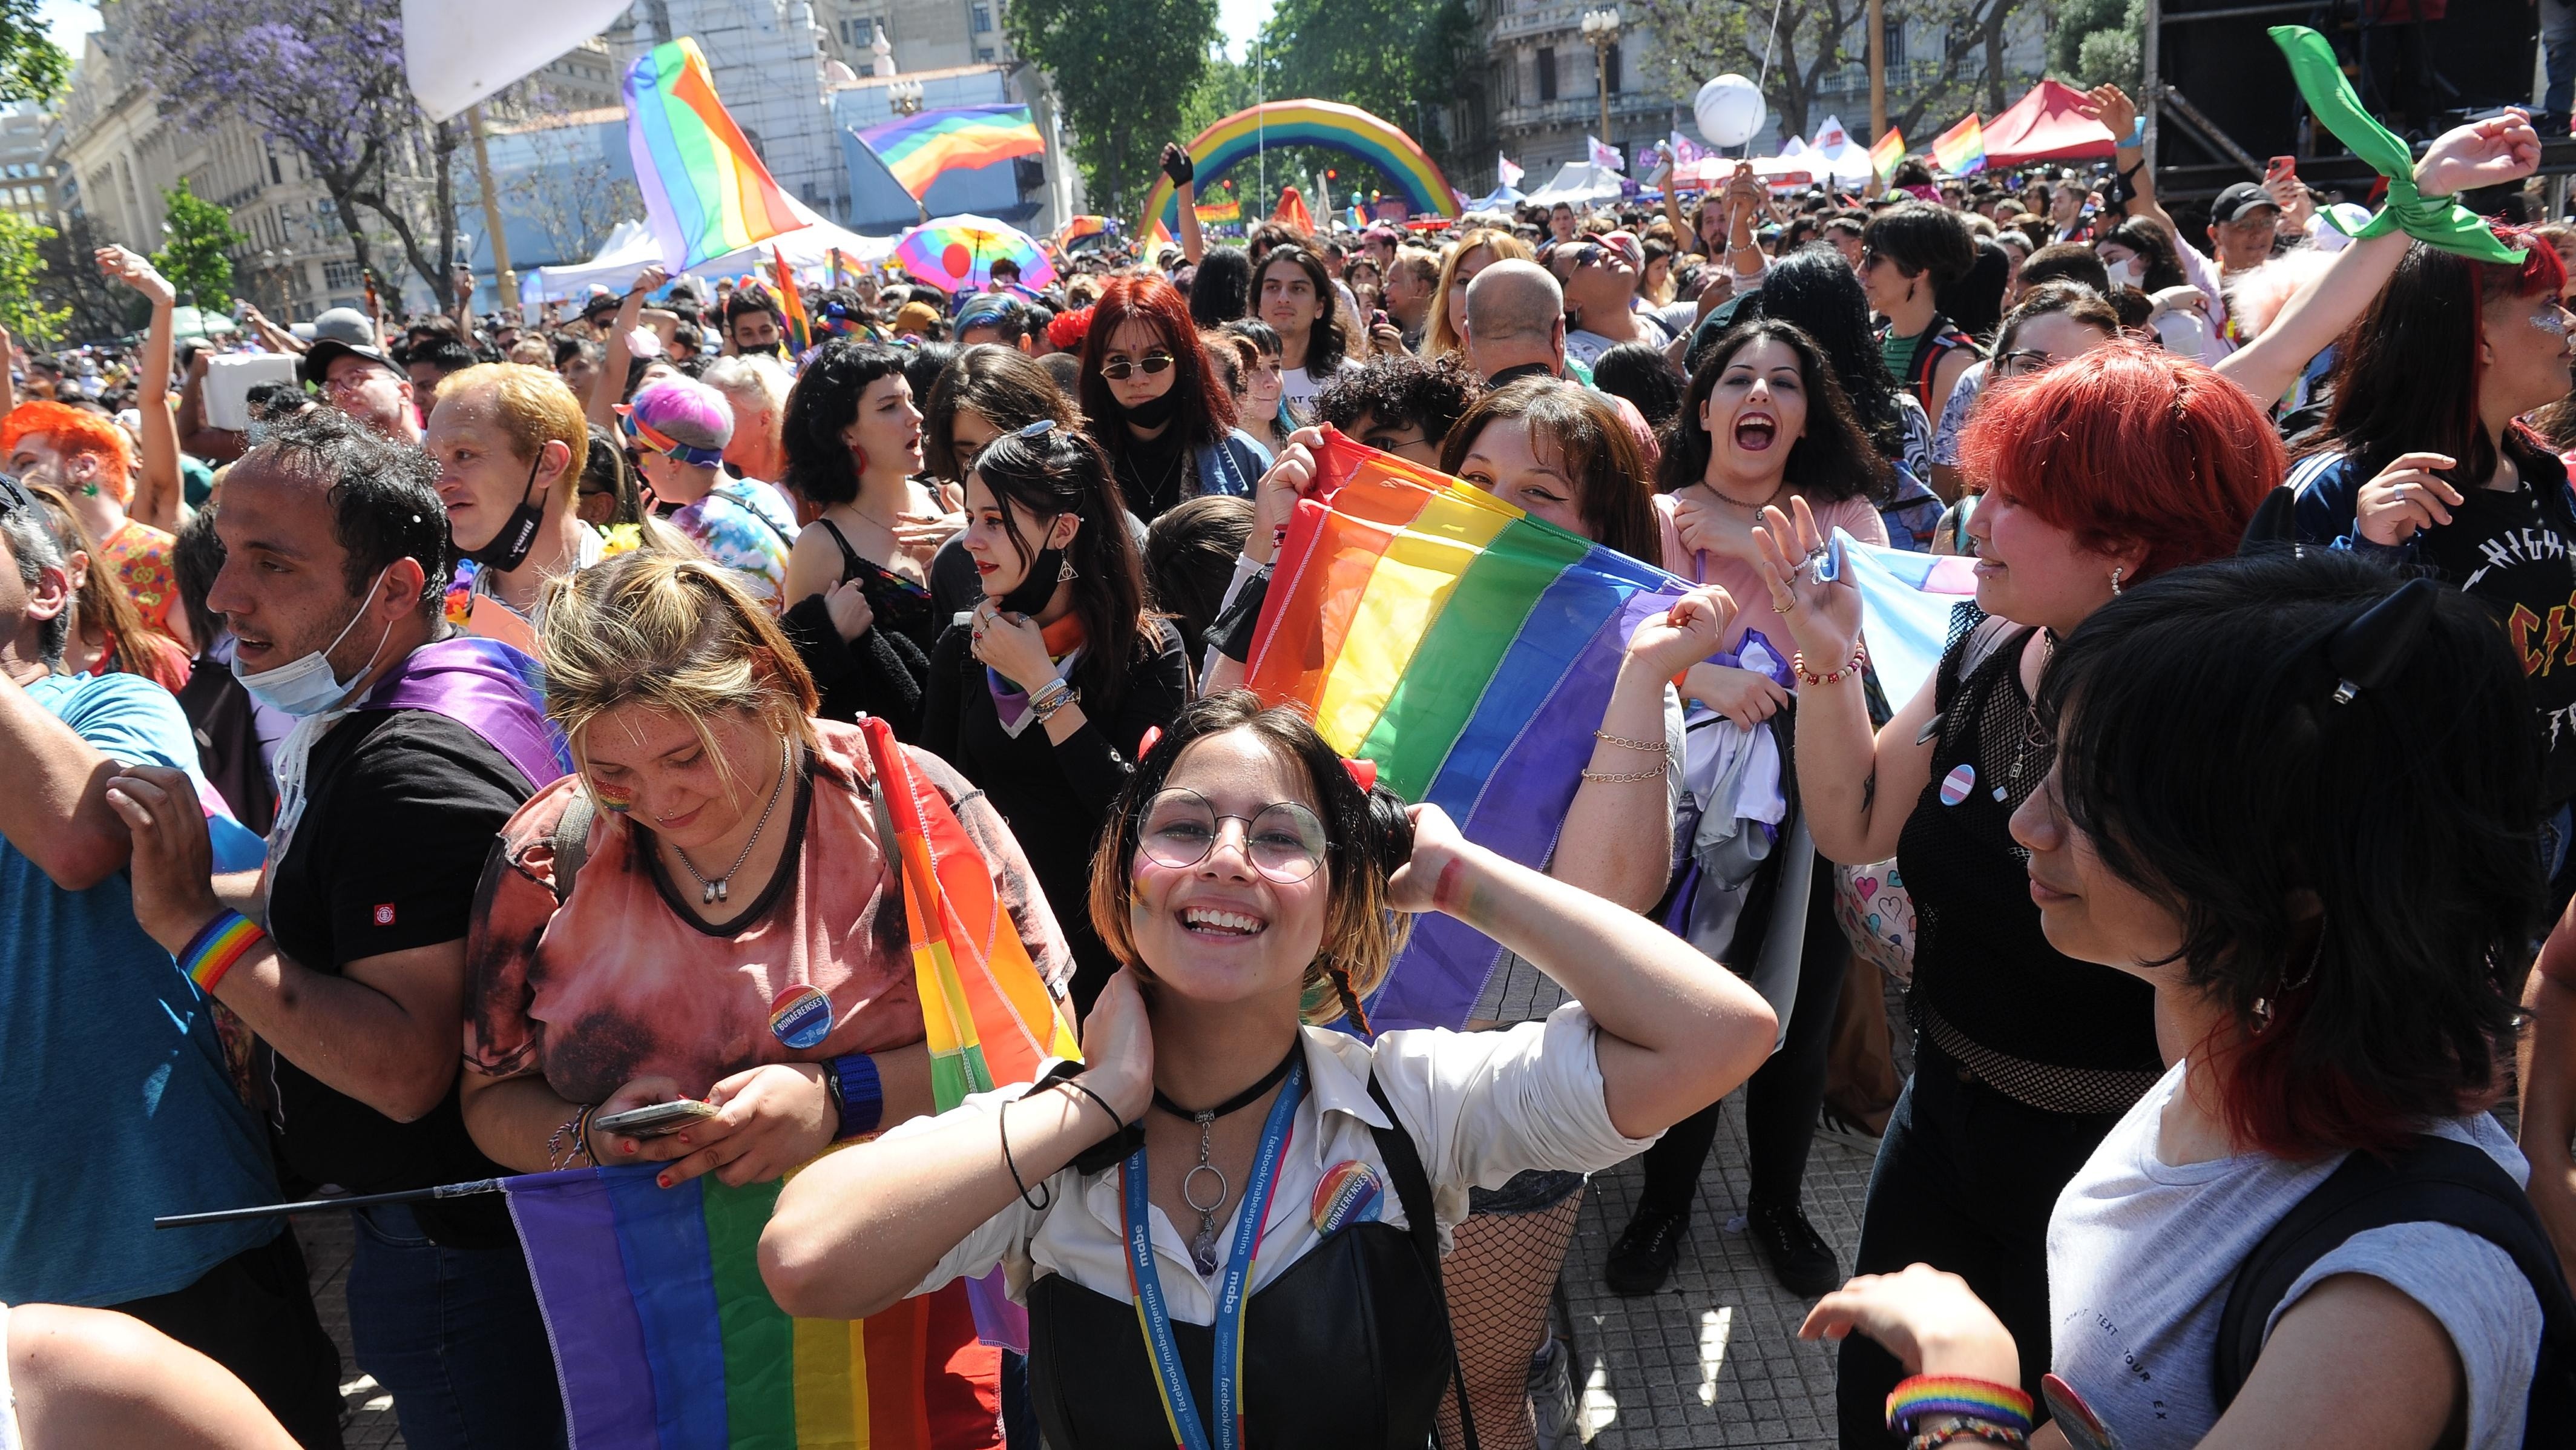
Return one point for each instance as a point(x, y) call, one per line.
point(1515, 323)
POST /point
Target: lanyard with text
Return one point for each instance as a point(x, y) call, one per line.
point(1225, 1374)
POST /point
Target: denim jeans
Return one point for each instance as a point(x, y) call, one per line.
point(454, 1336)
point(1965, 1181)
point(2558, 52)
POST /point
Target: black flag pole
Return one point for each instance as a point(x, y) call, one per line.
point(316, 1205)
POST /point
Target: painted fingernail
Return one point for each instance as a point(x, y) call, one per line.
point(684, 1140)
point(663, 1180)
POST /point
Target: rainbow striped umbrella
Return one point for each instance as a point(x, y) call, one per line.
point(958, 252)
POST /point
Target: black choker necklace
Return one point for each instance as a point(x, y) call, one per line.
point(1203, 1244)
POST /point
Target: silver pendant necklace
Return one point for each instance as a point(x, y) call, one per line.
point(711, 892)
point(1203, 1243)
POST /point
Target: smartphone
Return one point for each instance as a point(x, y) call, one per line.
point(2280, 166)
point(1380, 319)
point(657, 1120)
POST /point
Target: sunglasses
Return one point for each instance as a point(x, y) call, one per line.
point(1153, 363)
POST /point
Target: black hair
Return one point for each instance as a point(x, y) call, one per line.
point(1062, 471)
point(1008, 387)
point(1834, 461)
point(1263, 337)
point(824, 401)
point(1975, 303)
point(1638, 372)
point(383, 496)
point(195, 559)
point(442, 352)
point(1324, 341)
point(1189, 559)
point(1815, 289)
point(747, 299)
point(2147, 240)
point(2395, 1005)
point(269, 402)
point(568, 347)
point(925, 364)
point(1433, 393)
point(2065, 262)
point(1923, 239)
point(1010, 317)
point(1911, 172)
point(604, 470)
point(1221, 289)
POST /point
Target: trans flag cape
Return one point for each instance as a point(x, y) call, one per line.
point(705, 190)
point(1465, 647)
point(664, 1336)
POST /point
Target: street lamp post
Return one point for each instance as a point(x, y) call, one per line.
point(1601, 27)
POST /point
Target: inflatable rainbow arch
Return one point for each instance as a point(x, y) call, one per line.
point(1329, 124)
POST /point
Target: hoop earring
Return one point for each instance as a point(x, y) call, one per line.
point(2115, 580)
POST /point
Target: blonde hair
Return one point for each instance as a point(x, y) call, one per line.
point(675, 633)
point(1439, 329)
point(751, 375)
point(533, 407)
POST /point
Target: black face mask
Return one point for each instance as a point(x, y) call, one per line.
point(1036, 587)
point(508, 549)
point(1153, 412)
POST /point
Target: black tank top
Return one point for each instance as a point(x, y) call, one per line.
point(1981, 962)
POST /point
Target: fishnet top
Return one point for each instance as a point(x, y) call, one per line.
point(1989, 991)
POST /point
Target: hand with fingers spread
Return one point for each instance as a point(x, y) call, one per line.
point(923, 535)
point(2112, 107)
point(2408, 497)
point(1931, 1321)
point(1823, 615)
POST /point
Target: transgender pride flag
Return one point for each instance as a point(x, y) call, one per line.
point(1906, 600)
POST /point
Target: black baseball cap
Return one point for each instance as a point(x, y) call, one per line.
point(2236, 201)
point(316, 366)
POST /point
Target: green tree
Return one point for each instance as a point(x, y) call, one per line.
point(2092, 41)
point(196, 258)
point(1399, 60)
point(1122, 69)
point(21, 268)
point(32, 67)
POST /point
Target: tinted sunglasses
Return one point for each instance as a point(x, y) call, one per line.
point(1152, 362)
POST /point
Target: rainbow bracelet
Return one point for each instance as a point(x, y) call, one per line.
point(216, 946)
point(1927, 1394)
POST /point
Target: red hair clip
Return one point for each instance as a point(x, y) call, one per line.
point(1363, 772)
point(1153, 737)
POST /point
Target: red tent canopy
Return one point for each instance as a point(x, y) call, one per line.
point(2045, 126)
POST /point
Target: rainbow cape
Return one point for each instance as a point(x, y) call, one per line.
point(663, 1333)
point(917, 148)
point(1962, 148)
point(1465, 647)
point(705, 189)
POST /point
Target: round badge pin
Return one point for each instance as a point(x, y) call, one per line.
point(801, 1017)
point(1956, 785)
point(1349, 1192)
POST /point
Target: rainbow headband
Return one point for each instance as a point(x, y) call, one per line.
point(661, 442)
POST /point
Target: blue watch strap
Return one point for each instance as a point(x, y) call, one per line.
point(862, 1095)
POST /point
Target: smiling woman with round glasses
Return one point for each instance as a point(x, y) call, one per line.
point(1232, 1216)
point(1156, 407)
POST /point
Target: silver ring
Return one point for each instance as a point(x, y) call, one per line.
point(1222, 1188)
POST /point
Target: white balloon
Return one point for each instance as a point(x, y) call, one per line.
point(1729, 110)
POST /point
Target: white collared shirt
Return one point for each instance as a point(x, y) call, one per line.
point(1480, 1107)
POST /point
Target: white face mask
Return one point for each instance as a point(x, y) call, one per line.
point(306, 686)
point(2129, 273)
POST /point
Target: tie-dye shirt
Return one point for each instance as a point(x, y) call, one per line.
point(744, 525)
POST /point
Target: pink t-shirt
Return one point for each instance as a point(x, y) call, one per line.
point(1752, 591)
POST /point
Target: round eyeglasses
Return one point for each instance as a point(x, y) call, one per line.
point(1284, 842)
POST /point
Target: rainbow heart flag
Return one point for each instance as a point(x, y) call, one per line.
point(1465, 647)
point(666, 1339)
point(1962, 148)
point(705, 190)
point(1884, 156)
point(918, 148)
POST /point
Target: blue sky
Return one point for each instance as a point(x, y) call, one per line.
point(69, 20)
point(1238, 20)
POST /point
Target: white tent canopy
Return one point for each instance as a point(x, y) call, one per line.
point(1580, 183)
point(632, 247)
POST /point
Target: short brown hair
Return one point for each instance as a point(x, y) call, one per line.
point(1599, 452)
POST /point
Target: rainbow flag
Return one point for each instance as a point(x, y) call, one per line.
point(1906, 602)
point(1465, 647)
point(1962, 148)
point(791, 303)
point(705, 189)
point(1228, 210)
point(666, 1339)
point(917, 148)
point(1884, 156)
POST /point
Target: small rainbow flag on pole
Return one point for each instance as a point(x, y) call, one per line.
point(1884, 156)
point(1228, 210)
point(705, 189)
point(917, 148)
point(791, 303)
point(1465, 647)
point(1962, 148)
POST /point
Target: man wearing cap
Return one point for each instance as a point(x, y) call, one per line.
point(917, 320)
point(680, 427)
point(354, 376)
point(2244, 223)
point(112, 1043)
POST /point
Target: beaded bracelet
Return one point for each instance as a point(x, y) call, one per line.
point(1925, 1394)
point(217, 946)
point(1798, 662)
point(1970, 1427)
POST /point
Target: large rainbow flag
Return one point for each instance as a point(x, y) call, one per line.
point(1962, 148)
point(1465, 647)
point(705, 190)
point(917, 148)
point(1889, 151)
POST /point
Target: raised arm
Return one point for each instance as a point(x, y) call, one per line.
point(157, 501)
point(1184, 173)
point(610, 386)
point(2118, 114)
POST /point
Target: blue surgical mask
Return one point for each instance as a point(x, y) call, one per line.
point(307, 686)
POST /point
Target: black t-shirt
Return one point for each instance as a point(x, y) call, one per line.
point(401, 808)
point(2516, 554)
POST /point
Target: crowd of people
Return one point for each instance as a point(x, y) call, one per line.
point(2229, 827)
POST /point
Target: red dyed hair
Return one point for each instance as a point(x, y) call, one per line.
point(1207, 409)
point(2129, 445)
point(75, 434)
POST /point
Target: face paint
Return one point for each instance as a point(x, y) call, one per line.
point(2551, 320)
point(612, 800)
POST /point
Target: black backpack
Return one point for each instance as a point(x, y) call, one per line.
point(2434, 1180)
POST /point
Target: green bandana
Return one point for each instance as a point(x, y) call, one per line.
point(2436, 221)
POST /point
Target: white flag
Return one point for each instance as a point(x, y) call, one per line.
point(456, 52)
point(1509, 174)
point(1604, 154)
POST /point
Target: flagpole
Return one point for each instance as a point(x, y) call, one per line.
point(315, 1205)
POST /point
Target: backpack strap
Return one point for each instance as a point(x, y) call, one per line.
point(571, 841)
point(1413, 1190)
point(2434, 1180)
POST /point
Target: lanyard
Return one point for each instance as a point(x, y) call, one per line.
point(1226, 1372)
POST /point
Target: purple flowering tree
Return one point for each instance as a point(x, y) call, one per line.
point(324, 77)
